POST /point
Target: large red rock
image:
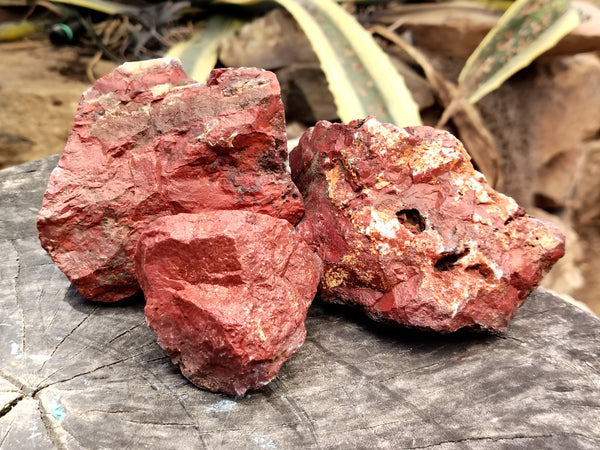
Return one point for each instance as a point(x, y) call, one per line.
point(149, 141)
point(410, 232)
point(227, 293)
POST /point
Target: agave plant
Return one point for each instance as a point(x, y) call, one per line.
point(360, 75)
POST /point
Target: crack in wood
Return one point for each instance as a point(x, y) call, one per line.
point(587, 363)
point(383, 388)
point(109, 411)
point(508, 336)
point(161, 358)
point(126, 332)
point(48, 420)
point(65, 380)
point(374, 427)
point(50, 429)
point(10, 405)
point(57, 346)
point(15, 382)
point(61, 368)
point(195, 424)
point(175, 395)
point(495, 439)
point(166, 424)
point(6, 435)
point(304, 418)
point(57, 444)
point(416, 369)
point(16, 291)
point(56, 311)
point(351, 358)
point(95, 348)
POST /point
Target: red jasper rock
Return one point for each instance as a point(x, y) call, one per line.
point(149, 141)
point(410, 232)
point(227, 293)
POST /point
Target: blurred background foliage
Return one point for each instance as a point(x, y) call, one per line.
point(518, 82)
point(361, 78)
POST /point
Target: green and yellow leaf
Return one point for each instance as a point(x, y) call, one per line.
point(13, 31)
point(199, 54)
point(361, 77)
point(103, 6)
point(524, 32)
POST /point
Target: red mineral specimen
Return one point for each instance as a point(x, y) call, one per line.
point(227, 293)
point(410, 232)
point(149, 141)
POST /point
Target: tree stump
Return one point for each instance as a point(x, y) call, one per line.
point(81, 375)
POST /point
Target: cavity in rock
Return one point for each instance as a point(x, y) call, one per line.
point(425, 241)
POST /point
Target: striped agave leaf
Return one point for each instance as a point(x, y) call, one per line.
point(199, 54)
point(525, 31)
point(361, 77)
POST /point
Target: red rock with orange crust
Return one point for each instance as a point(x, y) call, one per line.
point(227, 293)
point(411, 233)
point(149, 141)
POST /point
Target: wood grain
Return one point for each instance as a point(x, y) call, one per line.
point(81, 375)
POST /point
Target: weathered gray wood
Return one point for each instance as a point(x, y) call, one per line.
point(76, 374)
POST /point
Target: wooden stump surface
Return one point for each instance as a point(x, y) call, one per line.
point(81, 375)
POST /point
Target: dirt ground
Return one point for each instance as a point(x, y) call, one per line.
point(40, 87)
point(39, 91)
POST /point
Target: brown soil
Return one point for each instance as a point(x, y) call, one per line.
point(40, 87)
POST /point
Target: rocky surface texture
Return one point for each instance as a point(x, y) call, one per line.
point(410, 232)
point(148, 141)
point(227, 293)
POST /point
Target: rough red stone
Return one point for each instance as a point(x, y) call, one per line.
point(149, 141)
point(409, 231)
point(227, 294)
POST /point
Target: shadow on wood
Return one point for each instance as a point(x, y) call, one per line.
point(76, 374)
